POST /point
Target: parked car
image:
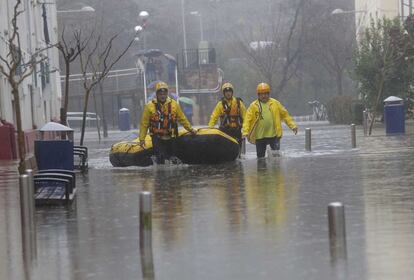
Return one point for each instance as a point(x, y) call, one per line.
point(74, 120)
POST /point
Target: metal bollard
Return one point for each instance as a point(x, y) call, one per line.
point(32, 211)
point(145, 219)
point(24, 185)
point(365, 122)
point(337, 232)
point(145, 235)
point(308, 139)
point(353, 136)
point(243, 146)
point(32, 207)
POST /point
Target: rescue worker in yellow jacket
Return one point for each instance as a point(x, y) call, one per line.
point(231, 111)
point(161, 117)
point(263, 122)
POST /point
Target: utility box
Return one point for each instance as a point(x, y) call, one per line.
point(8, 149)
point(124, 122)
point(54, 154)
point(394, 115)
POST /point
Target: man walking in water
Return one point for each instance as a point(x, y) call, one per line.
point(263, 122)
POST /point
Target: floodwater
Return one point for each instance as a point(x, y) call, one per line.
point(250, 219)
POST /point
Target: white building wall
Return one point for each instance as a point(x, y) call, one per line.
point(39, 104)
point(373, 9)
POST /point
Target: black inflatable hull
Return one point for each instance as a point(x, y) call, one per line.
point(121, 159)
point(206, 149)
point(208, 146)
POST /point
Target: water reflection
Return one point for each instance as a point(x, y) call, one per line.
point(167, 188)
point(145, 235)
point(389, 225)
point(11, 261)
point(269, 192)
point(235, 199)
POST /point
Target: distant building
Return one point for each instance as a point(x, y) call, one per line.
point(372, 9)
point(40, 93)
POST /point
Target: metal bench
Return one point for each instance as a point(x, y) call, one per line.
point(81, 155)
point(54, 186)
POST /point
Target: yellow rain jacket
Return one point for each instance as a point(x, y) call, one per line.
point(279, 114)
point(161, 119)
point(228, 119)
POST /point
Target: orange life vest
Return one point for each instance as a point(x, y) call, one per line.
point(232, 116)
point(163, 122)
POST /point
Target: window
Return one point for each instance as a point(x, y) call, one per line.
point(407, 8)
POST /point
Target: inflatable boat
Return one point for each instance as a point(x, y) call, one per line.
point(208, 146)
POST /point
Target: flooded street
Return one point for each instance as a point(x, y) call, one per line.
point(250, 219)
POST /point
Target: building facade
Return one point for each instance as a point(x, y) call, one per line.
point(40, 94)
point(367, 9)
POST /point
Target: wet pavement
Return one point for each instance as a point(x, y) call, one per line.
point(251, 219)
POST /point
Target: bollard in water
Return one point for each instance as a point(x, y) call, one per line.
point(337, 232)
point(145, 218)
point(32, 207)
point(145, 235)
point(32, 210)
point(353, 136)
point(25, 216)
point(243, 147)
point(308, 139)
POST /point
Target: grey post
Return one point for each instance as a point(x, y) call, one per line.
point(25, 216)
point(308, 139)
point(243, 147)
point(145, 234)
point(353, 136)
point(32, 211)
point(145, 218)
point(32, 207)
point(337, 232)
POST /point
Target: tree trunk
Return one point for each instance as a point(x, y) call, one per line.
point(96, 113)
point(104, 126)
point(85, 108)
point(374, 114)
point(339, 82)
point(64, 111)
point(20, 135)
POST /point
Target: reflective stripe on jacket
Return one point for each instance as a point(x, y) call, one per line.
point(279, 114)
point(230, 116)
point(161, 119)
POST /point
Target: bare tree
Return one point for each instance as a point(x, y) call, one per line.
point(70, 51)
point(335, 39)
point(95, 64)
point(16, 67)
point(277, 50)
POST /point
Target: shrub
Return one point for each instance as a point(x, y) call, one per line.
point(339, 110)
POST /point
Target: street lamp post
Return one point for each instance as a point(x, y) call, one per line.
point(184, 34)
point(358, 23)
point(198, 14)
point(144, 16)
point(85, 9)
point(140, 29)
point(340, 11)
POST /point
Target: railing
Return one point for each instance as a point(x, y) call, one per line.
point(192, 58)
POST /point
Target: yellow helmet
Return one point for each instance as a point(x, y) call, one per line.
point(263, 88)
point(227, 86)
point(161, 86)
